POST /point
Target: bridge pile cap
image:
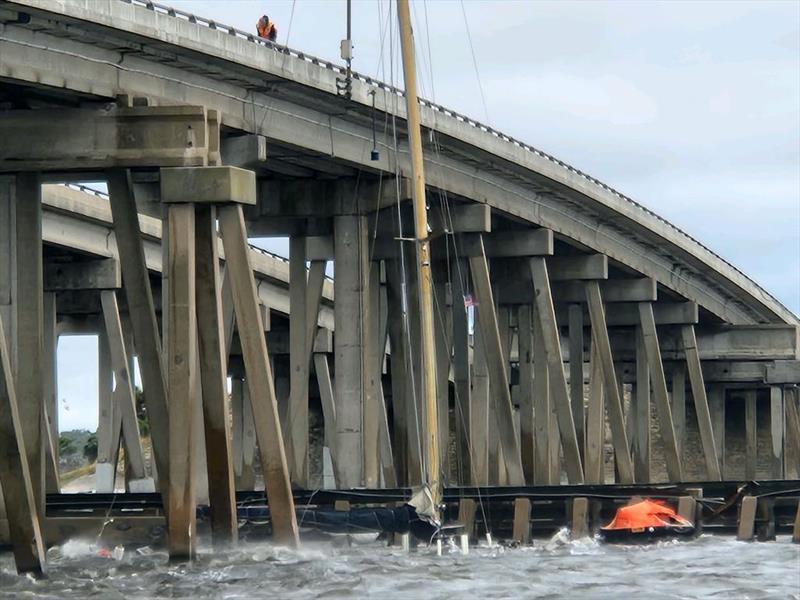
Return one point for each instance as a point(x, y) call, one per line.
point(208, 185)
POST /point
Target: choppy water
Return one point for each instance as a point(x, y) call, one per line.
point(709, 567)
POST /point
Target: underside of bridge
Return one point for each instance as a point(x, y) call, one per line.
point(580, 339)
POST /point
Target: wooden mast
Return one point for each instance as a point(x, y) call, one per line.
point(431, 424)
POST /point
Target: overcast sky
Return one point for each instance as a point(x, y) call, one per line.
point(691, 108)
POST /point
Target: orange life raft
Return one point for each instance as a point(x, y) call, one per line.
point(645, 521)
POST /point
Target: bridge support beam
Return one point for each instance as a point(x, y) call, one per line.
point(297, 409)
point(498, 370)
point(123, 400)
point(213, 377)
point(142, 312)
point(702, 411)
point(640, 411)
point(659, 383)
point(611, 390)
point(558, 383)
point(595, 422)
point(459, 278)
point(15, 479)
point(259, 374)
point(29, 310)
point(350, 314)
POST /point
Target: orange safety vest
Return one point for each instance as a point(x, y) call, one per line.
point(266, 29)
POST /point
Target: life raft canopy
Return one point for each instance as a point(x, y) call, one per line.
point(647, 513)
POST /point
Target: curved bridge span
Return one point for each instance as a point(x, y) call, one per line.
point(564, 309)
point(109, 48)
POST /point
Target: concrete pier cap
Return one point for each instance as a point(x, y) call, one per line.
point(208, 185)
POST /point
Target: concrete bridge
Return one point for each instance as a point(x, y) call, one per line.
point(586, 307)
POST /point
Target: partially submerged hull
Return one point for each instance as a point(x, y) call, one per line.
point(645, 535)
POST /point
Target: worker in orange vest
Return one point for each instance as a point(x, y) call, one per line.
point(266, 29)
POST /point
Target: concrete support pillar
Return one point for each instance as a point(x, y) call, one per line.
point(495, 355)
point(544, 435)
point(791, 434)
point(701, 404)
point(106, 467)
point(750, 433)
point(479, 425)
point(640, 409)
point(659, 383)
point(259, 375)
point(142, 314)
point(397, 365)
point(459, 276)
point(8, 263)
point(297, 410)
point(181, 378)
point(19, 501)
point(678, 403)
point(325, 385)
point(576, 373)
point(351, 252)
point(716, 407)
point(373, 359)
point(50, 390)
point(611, 387)
point(29, 323)
point(443, 335)
point(776, 428)
point(123, 398)
point(526, 413)
point(213, 373)
point(595, 423)
point(244, 435)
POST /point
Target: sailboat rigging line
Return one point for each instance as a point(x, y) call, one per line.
point(475, 63)
point(430, 56)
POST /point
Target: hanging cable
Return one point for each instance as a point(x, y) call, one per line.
point(475, 64)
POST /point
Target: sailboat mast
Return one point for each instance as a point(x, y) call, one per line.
point(431, 425)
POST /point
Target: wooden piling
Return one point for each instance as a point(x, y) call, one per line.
point(747, 518)
point(522, 521)
point(796, 531)
point(466, 515)
point(687, 508)
point(580, 518)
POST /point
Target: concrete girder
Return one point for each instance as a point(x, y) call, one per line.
point(46, 139)
point(102, 274)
